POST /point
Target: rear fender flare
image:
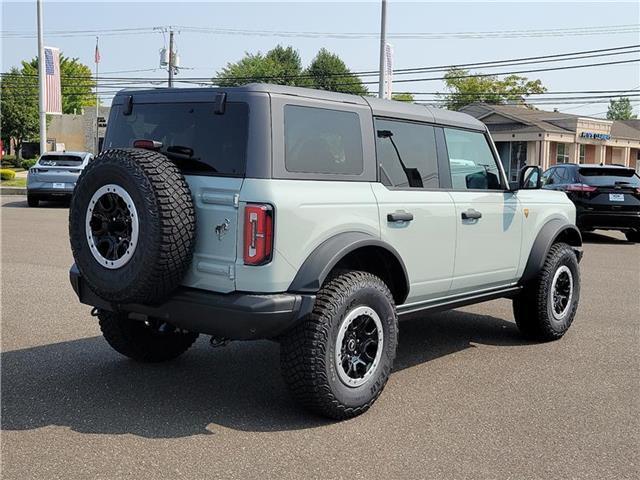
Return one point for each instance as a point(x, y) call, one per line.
point(326, 256)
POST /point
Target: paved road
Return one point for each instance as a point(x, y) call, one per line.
point(468, 399)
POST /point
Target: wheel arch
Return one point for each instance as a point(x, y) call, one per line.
point(353, 250)
point(552, 232)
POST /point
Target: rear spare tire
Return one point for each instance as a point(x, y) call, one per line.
point(132, 226)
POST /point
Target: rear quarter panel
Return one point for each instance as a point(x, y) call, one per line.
point(307, 212)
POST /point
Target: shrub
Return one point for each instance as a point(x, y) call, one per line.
point(27, 164)
point(6, 174)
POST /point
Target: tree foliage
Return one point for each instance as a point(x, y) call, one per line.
point(402, 97)
point(19, 107)
point(283, 66)
point(19, 100)
point(620, 109)
point(465, 88)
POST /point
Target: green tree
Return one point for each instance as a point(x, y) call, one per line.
point(327, 71)
point(283, 66)
point(620, 109)
point(402, 97)
point(76, 82)
point(465, 88)
point(18, 108)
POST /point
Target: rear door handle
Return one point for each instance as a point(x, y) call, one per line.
point(399, 216)
point(471, 214)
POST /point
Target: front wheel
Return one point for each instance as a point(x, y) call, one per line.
point(337, 362)
point(546, 307)
point(32, 200)
point(149, 341)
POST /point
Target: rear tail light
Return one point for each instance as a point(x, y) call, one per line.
point(258, 234)
point(147, 144)
point(580, 187)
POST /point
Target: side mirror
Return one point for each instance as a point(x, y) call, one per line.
point(530, 178)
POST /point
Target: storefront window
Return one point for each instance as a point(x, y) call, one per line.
point(563, 153)
point(581, 153)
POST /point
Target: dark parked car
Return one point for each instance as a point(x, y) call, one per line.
point(606, 196)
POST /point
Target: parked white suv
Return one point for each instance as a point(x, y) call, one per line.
point(313, 218)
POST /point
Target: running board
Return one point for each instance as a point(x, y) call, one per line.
point(449, 303)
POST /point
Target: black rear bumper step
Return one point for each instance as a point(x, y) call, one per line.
point(236, 316)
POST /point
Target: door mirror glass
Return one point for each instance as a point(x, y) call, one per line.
point(530, 177)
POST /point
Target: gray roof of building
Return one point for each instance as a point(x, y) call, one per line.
point(380, 107)
point(626, 129)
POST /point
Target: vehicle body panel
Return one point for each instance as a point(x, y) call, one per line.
point(50, 177)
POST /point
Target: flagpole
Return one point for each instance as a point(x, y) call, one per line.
point(97, 60)
point(41, 81)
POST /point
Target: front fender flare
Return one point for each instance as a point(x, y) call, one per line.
point(321, 261)
point(547, 236)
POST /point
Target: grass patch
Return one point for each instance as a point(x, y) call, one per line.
point(16, 182)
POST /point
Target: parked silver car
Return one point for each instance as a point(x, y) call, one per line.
point(55, 175)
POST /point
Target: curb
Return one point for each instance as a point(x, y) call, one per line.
point(13, 191)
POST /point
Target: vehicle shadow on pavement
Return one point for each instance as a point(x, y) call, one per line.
point(43, 204)
point(596, 237)
point(85, 386)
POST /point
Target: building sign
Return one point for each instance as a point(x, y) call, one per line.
point(102, 122)
point(596, 136)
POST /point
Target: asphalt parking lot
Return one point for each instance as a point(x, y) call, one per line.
point(468, 399)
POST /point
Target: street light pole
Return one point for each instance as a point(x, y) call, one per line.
point(383, 41)
point(41, 81)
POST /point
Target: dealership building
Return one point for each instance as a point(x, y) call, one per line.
point(524, 136)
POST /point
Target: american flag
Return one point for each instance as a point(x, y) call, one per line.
point(53, 96)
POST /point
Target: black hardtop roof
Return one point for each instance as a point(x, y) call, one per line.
point(379, 107)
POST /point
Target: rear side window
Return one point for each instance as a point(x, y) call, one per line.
point(473, 166)
point(609, 177)
point(320, 140)
point(406, 154)
point(201, 140)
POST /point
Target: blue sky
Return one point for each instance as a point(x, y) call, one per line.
point(206, 53)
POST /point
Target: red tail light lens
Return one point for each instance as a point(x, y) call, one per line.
point(258, 234)
point(580, 187)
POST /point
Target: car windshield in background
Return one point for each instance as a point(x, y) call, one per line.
point(609, 177)
point(191, 134)
point(60, 161)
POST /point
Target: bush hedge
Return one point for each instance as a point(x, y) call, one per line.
point(27, 164)
point(6, 174)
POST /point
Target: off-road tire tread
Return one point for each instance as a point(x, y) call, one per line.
point(303, 349)
point(124, 336)
point(164, 186)
point(530, 307)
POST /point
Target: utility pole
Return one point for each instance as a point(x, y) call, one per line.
point(383, 41)
point(97, 60)
point(41, 82)
point(171, 58)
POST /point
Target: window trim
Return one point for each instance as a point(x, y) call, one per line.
point(564, 155)
point(278, 168)
point(504, 184)
point(438, 159)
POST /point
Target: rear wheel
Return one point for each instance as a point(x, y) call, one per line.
point(337, 362)
point(32, 200)
point(149, 341)
point(633, 235)
point(545, 309)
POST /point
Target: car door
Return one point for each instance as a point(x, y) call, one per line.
point(488, 218)
point(416, 217)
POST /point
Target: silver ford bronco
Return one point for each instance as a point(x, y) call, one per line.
point(313, 218)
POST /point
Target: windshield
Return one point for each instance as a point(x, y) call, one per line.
point(609, 177)
point(60, 160)
point(215, 143)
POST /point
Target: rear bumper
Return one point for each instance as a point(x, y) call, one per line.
point(48, 191)
point(592, 219)
point(236, 316)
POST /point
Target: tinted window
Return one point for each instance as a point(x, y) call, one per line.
point(472, 163)
point(60, 160)
point(602, 176)
point(546, 177)
point(319, 140)
point(406, 154)
point(211, 143)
